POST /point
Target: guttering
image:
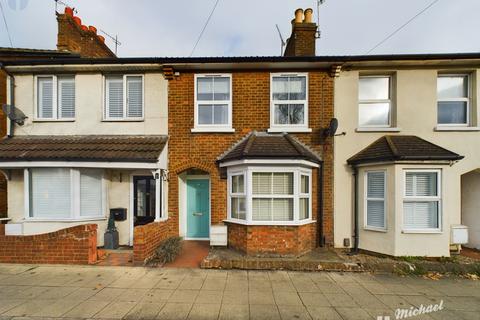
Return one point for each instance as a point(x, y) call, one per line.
point(321, 235)
point(356, 230)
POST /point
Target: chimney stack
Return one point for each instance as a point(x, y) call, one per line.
point(302, 41)
point(77, 38)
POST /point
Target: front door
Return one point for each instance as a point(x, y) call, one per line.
point(198, 208)
point(143, 200)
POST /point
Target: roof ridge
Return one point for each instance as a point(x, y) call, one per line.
point(392, 146)
point(293, 143)
point(296, 143)
point(251, 140)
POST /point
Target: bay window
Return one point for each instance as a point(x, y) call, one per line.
point(55, 98)
point(276, 196)
point(64, 193)
point(422, 200)
point(289, 102)
point(375, 199)
point(375, 103)
point(453, 94)
point(124, 97)
point(213, 102)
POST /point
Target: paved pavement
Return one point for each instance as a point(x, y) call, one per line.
point(142, 293)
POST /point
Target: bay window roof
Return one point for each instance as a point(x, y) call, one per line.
point(120, 148)
point(402, 148)
point(260, 145)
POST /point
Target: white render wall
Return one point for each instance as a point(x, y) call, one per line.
point(415, 101)
point(89, 104)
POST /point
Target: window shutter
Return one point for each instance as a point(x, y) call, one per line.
point(115, 97)
point(420, 215)
point(45, 97)
point(66, 97)
point(91, 193)
point(50, 193)
point(376, 199)
point(134, 97)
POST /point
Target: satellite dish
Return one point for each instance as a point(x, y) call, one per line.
point(332, 128)
point(14, 114)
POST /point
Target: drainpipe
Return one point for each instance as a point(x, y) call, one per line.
point(321, 237)
point(12, 98)
point(355, 211)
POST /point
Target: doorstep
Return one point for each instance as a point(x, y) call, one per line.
point(339, 260)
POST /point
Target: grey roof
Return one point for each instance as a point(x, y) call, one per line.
point(398, 148)
point(118, 148)
point(260, 145)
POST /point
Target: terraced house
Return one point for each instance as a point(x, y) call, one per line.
point(242, 151)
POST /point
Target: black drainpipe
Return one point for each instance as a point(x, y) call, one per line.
point(355, 211)
point(321, 237)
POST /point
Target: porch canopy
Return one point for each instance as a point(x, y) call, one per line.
point(402, 148)
point(95, 151)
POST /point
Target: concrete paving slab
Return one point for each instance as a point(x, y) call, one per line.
point(264, 312)
point(285, 298)
point(294, 312)
point(260, 297)
point(237, 297)
point(7, 304)
point(115, 310)
point(56, 309)
point(323, 313)
point(340, 299)
point(157, 295)
point(175, 311)
point(204, 312)
point(86, 309)
point(234, 312)
point(183, 296)
point(314, 299)
point(209, 297)
point(353, 313)
point(145, 310)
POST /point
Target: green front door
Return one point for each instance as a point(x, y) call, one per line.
point(198, 208)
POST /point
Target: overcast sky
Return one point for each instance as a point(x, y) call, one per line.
point(247, 27)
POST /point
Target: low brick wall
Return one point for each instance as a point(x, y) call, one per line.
point(146, 239)
point(272, 240)
point(75, 245)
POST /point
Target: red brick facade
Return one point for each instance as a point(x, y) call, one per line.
point(146, 239)
point(251, 111)
point(76, 245)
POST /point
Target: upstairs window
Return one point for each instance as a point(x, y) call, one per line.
point(55, 98)
point(289, 106)
point(453, 94)
point(375, 104)
point(124, 97)
point(421, 203)
point(213, 102)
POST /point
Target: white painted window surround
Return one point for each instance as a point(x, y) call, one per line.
point(54, 98)
point(375, 109)
point(124, 98)
point(375, 200)
point(64, 194)
point(213, 103)
point(422, 205)
point(289, 102)
point(269, 195)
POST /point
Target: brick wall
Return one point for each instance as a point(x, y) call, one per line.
point(272, 240)
point(73, 39)
point(75, 245)
point(147, 238)
point(302, 40)
point(251, 111)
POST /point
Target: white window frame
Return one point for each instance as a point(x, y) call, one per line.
point(237, 195)
point(248, 171)
point(437, 198)
point(74, 198)
point(213, 127)
point(366, 199)
point(125, 98)
point(305, 195)
point(289, 127)
point(371, 101)
point(55, 96)
point(468, 100)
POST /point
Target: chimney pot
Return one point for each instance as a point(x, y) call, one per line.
point(308, 15)
point(101, 38)
point(77, 20)
point(298, 15)
point(69, 12)
point(92, 29)
point(84, 27)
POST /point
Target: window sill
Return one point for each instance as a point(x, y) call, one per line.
point(423, 231)
point(455, 128)
point(213, 130)
point(53, 120)
point(63, 220)
point(270, 223)
point(123, 120)
point(375, 229)
point(290, 130)
point(377, 129)
point(160, 220)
